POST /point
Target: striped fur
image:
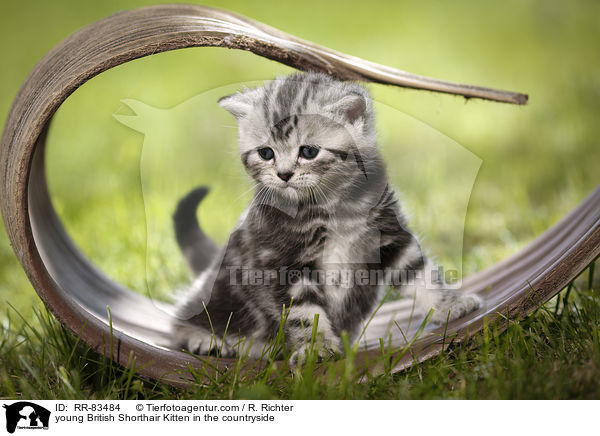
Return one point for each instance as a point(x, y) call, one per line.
point(335, 214)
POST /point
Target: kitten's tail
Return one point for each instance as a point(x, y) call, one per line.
point(198, 249)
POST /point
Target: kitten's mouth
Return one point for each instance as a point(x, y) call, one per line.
point(288, 190)
point(303, 193)
point(295, 191)
point(286, 186)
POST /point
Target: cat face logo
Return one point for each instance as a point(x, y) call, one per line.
point(26, 415)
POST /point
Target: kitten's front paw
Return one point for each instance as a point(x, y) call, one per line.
point(301, 353)
point(207, 345)
point(458, 306)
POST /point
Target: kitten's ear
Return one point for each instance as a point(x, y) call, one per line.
point(352, 107)
point(239, 104)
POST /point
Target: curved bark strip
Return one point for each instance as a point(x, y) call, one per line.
point(78, 293)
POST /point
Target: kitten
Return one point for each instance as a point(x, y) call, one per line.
point(322, 211)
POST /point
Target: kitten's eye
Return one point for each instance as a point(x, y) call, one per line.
point(266, 153)
point(309, 151)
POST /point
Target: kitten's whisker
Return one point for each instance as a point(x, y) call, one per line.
point(323, 194)
point(256, 200)
point(245, 192)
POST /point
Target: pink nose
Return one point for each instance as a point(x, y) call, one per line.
point(285, 176)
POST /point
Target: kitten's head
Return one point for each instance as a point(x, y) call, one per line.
point(304, 134)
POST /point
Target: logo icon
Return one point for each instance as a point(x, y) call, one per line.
point(26, 415)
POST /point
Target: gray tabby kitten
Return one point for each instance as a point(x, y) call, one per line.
point(322, 211)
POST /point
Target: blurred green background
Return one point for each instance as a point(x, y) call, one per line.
point(501, 173)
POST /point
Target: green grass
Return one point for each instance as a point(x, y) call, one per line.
point(553, 354)
point(479, 180)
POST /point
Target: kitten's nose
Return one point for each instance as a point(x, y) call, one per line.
point(285, 176)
